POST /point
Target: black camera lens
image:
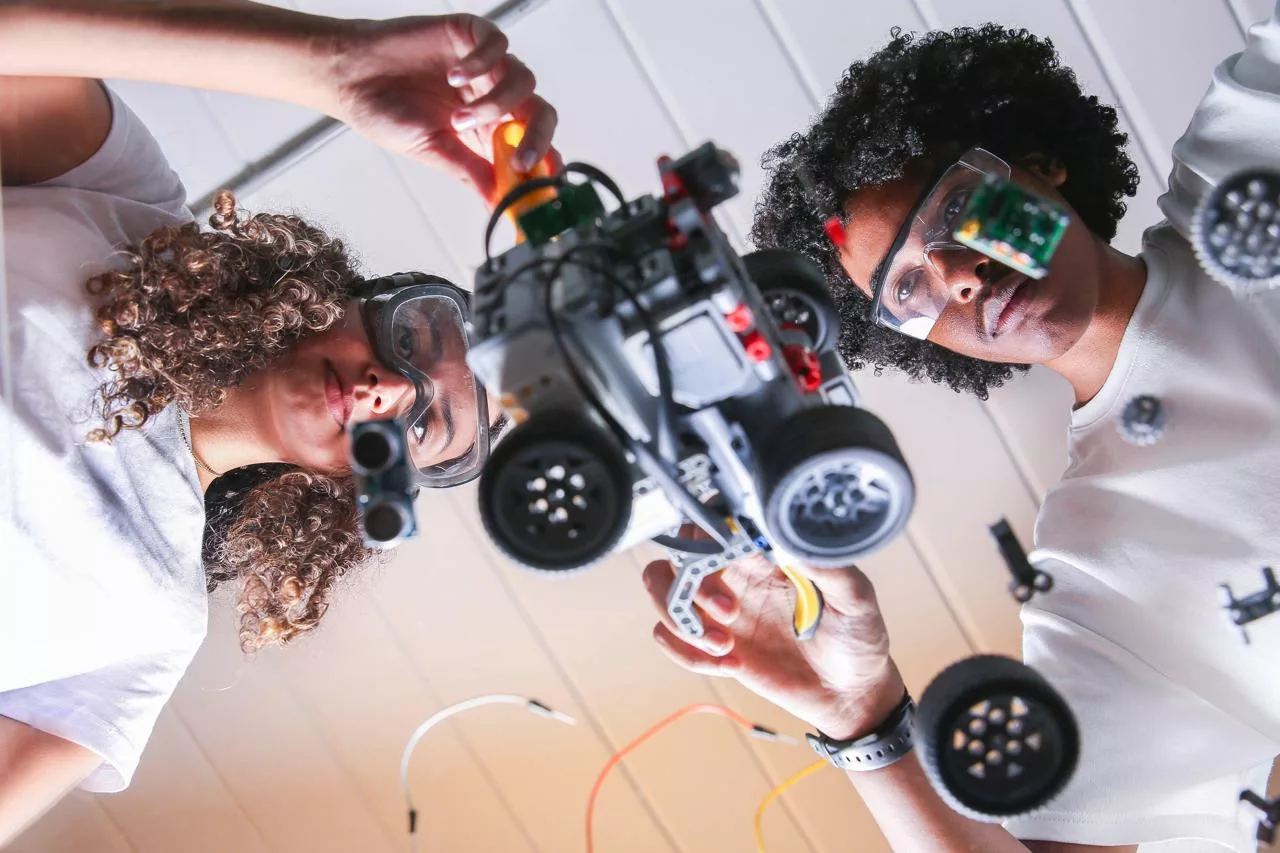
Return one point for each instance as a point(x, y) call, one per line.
point(371, 451)
point(383, 522)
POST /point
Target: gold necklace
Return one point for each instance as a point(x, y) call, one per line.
point(186, 439)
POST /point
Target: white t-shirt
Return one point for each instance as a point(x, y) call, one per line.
point(102, 600)
point(1177, 714)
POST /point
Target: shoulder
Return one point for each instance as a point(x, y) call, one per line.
point(130, 166)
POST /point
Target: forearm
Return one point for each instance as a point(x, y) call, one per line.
point(913, 817)
point(36, 770)
point(231, 45)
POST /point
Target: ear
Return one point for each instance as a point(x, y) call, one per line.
point(1049, 169)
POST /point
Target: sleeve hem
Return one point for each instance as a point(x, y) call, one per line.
point(119, 758)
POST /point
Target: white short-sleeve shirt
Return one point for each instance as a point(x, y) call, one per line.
point(102, 599)
point(1177, 713)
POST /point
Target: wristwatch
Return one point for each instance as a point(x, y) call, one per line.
point(888, 744)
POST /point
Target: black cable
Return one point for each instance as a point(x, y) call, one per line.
point(666, 442)
point(599, 176)
point(532, 185)
point(514, 195)
point(688, 546)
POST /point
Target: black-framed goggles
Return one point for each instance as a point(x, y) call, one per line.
point(418, 326)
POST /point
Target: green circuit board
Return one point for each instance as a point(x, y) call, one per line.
point(574, 205)
point(1016, 227)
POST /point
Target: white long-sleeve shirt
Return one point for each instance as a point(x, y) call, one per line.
point(1177, 714)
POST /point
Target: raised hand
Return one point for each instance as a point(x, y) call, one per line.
point(842, 680)
point(433, 88)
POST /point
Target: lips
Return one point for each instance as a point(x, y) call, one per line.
point(336, 398)
point(1006, 304)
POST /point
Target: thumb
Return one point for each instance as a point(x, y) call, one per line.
point(847, 589)
point(451, 154)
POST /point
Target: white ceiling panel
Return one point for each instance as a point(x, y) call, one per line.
point(824, 37)
point(196, 145)
point(350, 189)
point(1162, 75)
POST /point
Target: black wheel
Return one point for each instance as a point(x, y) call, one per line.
point(797, 295)
point(997, 740)
point(835, 485)
point(556, 495)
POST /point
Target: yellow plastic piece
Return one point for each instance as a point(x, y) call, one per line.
point(808, 597)
point(506, 139)
point(808, 603)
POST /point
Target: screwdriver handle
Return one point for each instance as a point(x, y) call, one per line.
point(506, 139)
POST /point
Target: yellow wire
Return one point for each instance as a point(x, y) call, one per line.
point(778, 792)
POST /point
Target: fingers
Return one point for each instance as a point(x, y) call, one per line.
point(713, 597)
point(690, 657)
point(513, 86)
point(556, 160)
point(491, 48)
point(715, 606)
point(452, 154)
point(540, 120)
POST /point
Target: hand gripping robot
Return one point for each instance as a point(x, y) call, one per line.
point(659, 379)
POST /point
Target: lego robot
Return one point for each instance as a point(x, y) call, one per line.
point(658, 378)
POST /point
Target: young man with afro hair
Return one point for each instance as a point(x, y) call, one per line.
point(1161, 502)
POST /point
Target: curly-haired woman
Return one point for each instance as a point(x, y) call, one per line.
point(150, 367)
point(1176, 715)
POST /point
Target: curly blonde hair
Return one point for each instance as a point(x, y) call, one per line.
point(191, 314)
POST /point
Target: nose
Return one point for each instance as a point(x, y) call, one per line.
point(382, 393)
point(964, 271)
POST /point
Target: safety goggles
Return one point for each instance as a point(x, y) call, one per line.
point(909, 290)
point(417, 325)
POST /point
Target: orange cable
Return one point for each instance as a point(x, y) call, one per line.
point(617, 757)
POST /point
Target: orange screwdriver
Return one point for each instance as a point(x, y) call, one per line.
point(506, 139)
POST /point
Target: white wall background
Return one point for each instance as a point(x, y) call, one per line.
point(297, 751)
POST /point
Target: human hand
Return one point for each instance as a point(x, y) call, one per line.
point(842, 680)
point(433, 88)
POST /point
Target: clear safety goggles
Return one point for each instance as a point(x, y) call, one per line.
point(417, 325)
point(909, 290)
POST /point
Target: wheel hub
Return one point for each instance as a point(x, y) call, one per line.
point(839, 499)
point(792, 309)
point(1003, 747)
point(559, 496)
point(556, 503)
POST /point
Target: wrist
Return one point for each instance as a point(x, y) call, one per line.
point(856, 713)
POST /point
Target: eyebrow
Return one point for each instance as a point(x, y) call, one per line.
point(449, 429)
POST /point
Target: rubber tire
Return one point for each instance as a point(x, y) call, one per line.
point(947, 699)
point(778, 269)
point(558, 433)
point(821, 432)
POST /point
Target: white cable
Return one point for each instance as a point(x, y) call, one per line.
point(445, 713)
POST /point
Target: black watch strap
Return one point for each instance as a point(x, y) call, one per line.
point(888, 744)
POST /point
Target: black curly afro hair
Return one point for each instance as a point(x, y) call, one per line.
point(917, 101)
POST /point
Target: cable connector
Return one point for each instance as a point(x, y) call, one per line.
point(551, 713)
point(766, 733)
point(1270, 815)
